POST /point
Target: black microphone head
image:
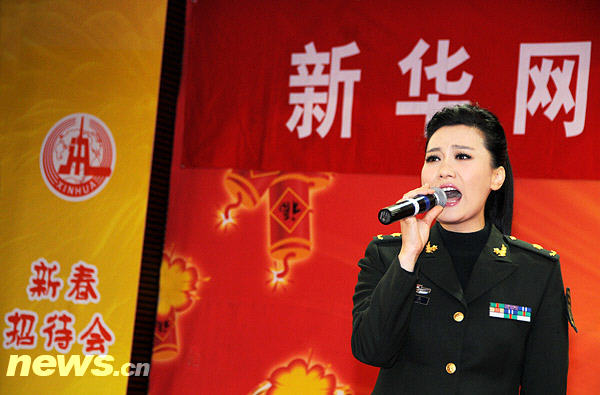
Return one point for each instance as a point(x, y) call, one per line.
point(385, 217)
point(440, 196)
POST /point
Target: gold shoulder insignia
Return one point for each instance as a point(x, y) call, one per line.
point(532, 247)
point(392, 237)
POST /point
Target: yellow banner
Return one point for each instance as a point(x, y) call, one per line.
point(79, 88)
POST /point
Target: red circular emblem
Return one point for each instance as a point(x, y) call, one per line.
point(77, 157)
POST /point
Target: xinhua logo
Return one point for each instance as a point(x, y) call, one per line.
point(77, 157)
point(74, 365)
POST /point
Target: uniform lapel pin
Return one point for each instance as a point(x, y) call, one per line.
point(500, 251)
point(421, 290)
point(430, 249)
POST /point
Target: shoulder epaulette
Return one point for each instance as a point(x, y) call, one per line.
point(392, 237)
point(532, 247)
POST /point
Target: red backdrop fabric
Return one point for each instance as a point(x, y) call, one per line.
point(240, 329)
point(260, 260)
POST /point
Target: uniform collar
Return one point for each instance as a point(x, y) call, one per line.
point(493, 265)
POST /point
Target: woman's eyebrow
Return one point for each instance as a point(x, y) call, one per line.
point(462, 147)
point(455, 146)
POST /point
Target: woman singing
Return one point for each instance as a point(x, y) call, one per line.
point(461, 307)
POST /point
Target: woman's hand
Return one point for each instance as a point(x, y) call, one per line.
point(415, 231)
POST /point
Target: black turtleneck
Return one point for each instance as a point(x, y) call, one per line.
point(464, 249)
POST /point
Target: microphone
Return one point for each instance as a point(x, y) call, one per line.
point(413, 206)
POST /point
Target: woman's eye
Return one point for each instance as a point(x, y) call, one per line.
point(463, 156)
point(431, 158)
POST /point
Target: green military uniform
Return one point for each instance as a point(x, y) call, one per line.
point(507, 330)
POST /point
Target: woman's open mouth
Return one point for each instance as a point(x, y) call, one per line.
point(452, 194)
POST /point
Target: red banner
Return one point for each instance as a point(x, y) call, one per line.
point(347, 86)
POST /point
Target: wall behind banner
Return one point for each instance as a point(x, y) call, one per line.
point(79, 88)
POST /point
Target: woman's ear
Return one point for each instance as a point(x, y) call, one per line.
point(498, 177)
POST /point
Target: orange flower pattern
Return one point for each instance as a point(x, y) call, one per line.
point(298, 378)
point(178, 286)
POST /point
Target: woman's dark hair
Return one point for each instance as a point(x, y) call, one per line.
point(499, 205)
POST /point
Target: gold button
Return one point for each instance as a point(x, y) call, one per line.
point(458, 316)
point(451, 368)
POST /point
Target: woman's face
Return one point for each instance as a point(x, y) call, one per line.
point(457, 161)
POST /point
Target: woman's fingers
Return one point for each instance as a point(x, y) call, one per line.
point(423, 190)
point(415, 231)
point(411, 225)
point(432, 215)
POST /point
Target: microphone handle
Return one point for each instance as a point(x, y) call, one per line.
point(406, 208)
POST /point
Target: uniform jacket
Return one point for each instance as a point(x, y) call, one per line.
point(430, 337)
